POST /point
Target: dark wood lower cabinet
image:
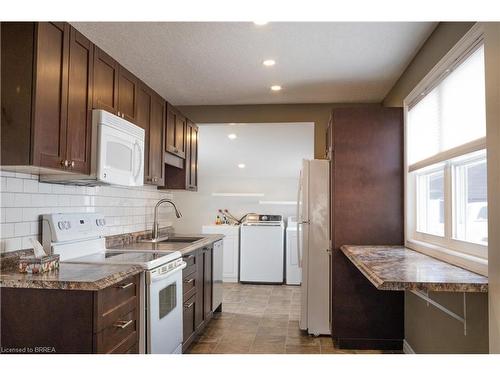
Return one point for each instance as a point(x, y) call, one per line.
point(197, 291)
point(71, 321)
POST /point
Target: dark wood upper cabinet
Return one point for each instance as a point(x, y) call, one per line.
point(127, 95)
point(191, 156)
point(175, 132)
point(105, 94)
point(79, 120)
point(50, 94)
point(46, 92)
point(151, 117)
point(185, 175)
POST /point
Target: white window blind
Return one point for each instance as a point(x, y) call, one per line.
point(452, 114)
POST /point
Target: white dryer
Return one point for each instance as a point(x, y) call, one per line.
point(262, 249)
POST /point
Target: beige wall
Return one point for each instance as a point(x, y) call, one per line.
point(436, 46)
point(317, 113)
point(492, 56)
point(428, 330)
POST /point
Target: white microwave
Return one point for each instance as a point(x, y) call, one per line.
point(117, 155)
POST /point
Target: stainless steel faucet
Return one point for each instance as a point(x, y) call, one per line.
point(156, 225)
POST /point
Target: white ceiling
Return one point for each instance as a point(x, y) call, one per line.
point(192, 63)
point(267, 150)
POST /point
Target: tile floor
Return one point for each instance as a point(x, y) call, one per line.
point(261, 319)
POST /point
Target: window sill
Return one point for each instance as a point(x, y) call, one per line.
point(456, 258)
point(399, 268)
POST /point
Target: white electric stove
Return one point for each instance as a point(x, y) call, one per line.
point(79, 238)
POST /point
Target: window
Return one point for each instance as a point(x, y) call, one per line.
point(446, 194)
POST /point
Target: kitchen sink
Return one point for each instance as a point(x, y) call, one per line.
point(172, 239)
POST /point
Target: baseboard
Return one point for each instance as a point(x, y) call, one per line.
point(407, 349)
point(369, 344)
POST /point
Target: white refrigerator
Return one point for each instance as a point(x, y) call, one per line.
point(313, 241)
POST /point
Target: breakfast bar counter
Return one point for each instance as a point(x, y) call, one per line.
point(400, 268)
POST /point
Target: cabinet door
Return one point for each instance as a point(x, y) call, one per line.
point(127, 95)
point(156, 137)
point(207, 282)
point(79, 120)
point(188, 319)
point(144, 100)
point(175, 132)
point(180, 135)
point(105, 92)
point(51, 94)
point(199, 316)
point(191, 156)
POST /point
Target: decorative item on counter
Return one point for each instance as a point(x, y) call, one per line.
point(40, 262)
point(218, 220)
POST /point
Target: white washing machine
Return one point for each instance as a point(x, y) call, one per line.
point(262, 249)
point(293, 270)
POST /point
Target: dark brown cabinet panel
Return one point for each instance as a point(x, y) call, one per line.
point(175, 132)
point(79, 120)
point(156, 139)
point(191, 156)
point(199, 314)
point(74, 321)
point(151, 117)
point(189, 325)
point(127, 95)
point(366, 209)
point(105, 94)
point(207, 283)
point(50, 94)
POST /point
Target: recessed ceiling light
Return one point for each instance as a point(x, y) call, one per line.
point(241, 165)
point(232, 136)
point(275, 88)
point(260, 23)
point(269, 62)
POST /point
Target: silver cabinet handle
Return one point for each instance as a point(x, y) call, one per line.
point(189, 256)
point(189, 281)
point(72, 164)
point(119, 114)
point(65, 163)
point(187, 306)
point(125, 286)
point(122, 324)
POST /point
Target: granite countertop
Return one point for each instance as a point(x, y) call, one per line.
point(90, 277)
point(400, 268)
point(182, 247)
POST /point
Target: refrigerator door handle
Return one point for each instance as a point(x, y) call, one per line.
point(299, 221)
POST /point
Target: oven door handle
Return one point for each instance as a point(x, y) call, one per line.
point(165, 275)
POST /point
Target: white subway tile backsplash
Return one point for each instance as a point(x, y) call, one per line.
point(24, 199)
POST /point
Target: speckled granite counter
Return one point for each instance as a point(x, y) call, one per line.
point(70, 276)
point(400, 268)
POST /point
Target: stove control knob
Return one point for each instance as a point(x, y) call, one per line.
point(103, 222)
point(60, 225)
point(67, 225)
point(264, 218)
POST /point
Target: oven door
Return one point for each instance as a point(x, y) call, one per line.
point(164, 312)
point(120, 157)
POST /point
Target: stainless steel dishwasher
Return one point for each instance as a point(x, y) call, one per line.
point(217, 276)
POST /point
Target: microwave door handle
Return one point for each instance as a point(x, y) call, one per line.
point(137, 169)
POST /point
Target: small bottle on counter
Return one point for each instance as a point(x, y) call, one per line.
point(217, 220)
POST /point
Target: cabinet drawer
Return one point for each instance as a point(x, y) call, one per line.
point(190, 264)
point(120, 336)
point(115, 301)
point(189, 286)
